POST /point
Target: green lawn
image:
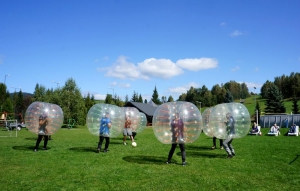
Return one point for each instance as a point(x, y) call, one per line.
point(71, 163)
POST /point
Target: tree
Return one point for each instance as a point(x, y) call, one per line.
point(264, 89)
point(257, 108)
point(4, 96)
point(228, 97)
point(164, 99)
point(88, 102)
point(155, 97)
point(295, 105)
point(135, 97)
point(126, 99)
point(108, 99)
point(19, 107)
point(145, 101)
point(72, 103)
point(274, 102)
point(170, 99)
point(39, 93)
point(140, 98)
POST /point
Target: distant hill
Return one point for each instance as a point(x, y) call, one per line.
point(25, 94)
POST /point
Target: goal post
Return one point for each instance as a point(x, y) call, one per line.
point(6, 131)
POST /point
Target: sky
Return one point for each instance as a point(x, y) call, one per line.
point(124, 46)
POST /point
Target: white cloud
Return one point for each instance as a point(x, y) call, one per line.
point(223, 24)
point(183, 89)
point(159, 68)
point(235, 69)
point(123, 69)
point(99, 96)
point(156, 68)
point(196, 64)
point(236, 33)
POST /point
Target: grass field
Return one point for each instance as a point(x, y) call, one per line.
point(71, 163)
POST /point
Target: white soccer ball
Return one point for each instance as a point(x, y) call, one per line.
point(18, 128)
point(134, 144)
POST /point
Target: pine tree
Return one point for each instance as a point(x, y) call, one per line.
point(274, 101)
point(155, 98)
point(140, 98)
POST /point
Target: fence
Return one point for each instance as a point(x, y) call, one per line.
point(268, 121)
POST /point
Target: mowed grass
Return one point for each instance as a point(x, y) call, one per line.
point(71, 163)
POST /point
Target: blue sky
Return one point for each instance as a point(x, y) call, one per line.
point(122, 46)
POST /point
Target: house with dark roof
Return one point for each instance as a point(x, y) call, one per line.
point(147, 108)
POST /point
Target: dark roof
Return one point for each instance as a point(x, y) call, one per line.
point(143, 107)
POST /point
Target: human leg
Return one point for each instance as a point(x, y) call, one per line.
point(107, 139)
point(133, 134)
point(214, 142)
point(171, 152)
point(46, 138)
point(227, 149)
point(183, 154)
point(101, 138)
point(221, 143)
point(39, 139)
point(124, 135)
point(231, 147)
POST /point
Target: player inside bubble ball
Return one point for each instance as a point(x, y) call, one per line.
point(104, 132)
point(177, 129)
point(43, 133)
point(230, 127)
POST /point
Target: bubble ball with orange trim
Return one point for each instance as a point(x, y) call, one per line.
point(177, 122)
point(44, 111)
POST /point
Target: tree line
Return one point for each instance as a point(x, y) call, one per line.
point(76, 106)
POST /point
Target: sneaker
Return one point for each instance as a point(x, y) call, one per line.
point(229, 156)
point(221, 148)
point(233, 154)
point(183, 163)
point(124, 143)
point(98, 150)
point(45, 148)
point(105, 150)
point(35, 150)
point(168, 162)
point(214, 147)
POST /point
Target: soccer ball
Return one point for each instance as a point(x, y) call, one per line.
point(18, 128)
point(134, 144)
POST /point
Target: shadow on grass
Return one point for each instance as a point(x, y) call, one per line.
point(84, 149)
point(31, 138)
point(192, 147)
point(25, 148)
point(203, 154)
point(142, 159)
point(294, 159)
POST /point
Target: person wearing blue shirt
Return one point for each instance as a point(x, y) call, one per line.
point(104, 132)
point(227, 143)
point(292, 129)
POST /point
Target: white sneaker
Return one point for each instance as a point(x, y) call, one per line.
point(124, 143)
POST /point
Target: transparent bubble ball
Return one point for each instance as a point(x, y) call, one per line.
point(98, 111)
point(42, 110)
point(218, 120)
point(191, 121)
